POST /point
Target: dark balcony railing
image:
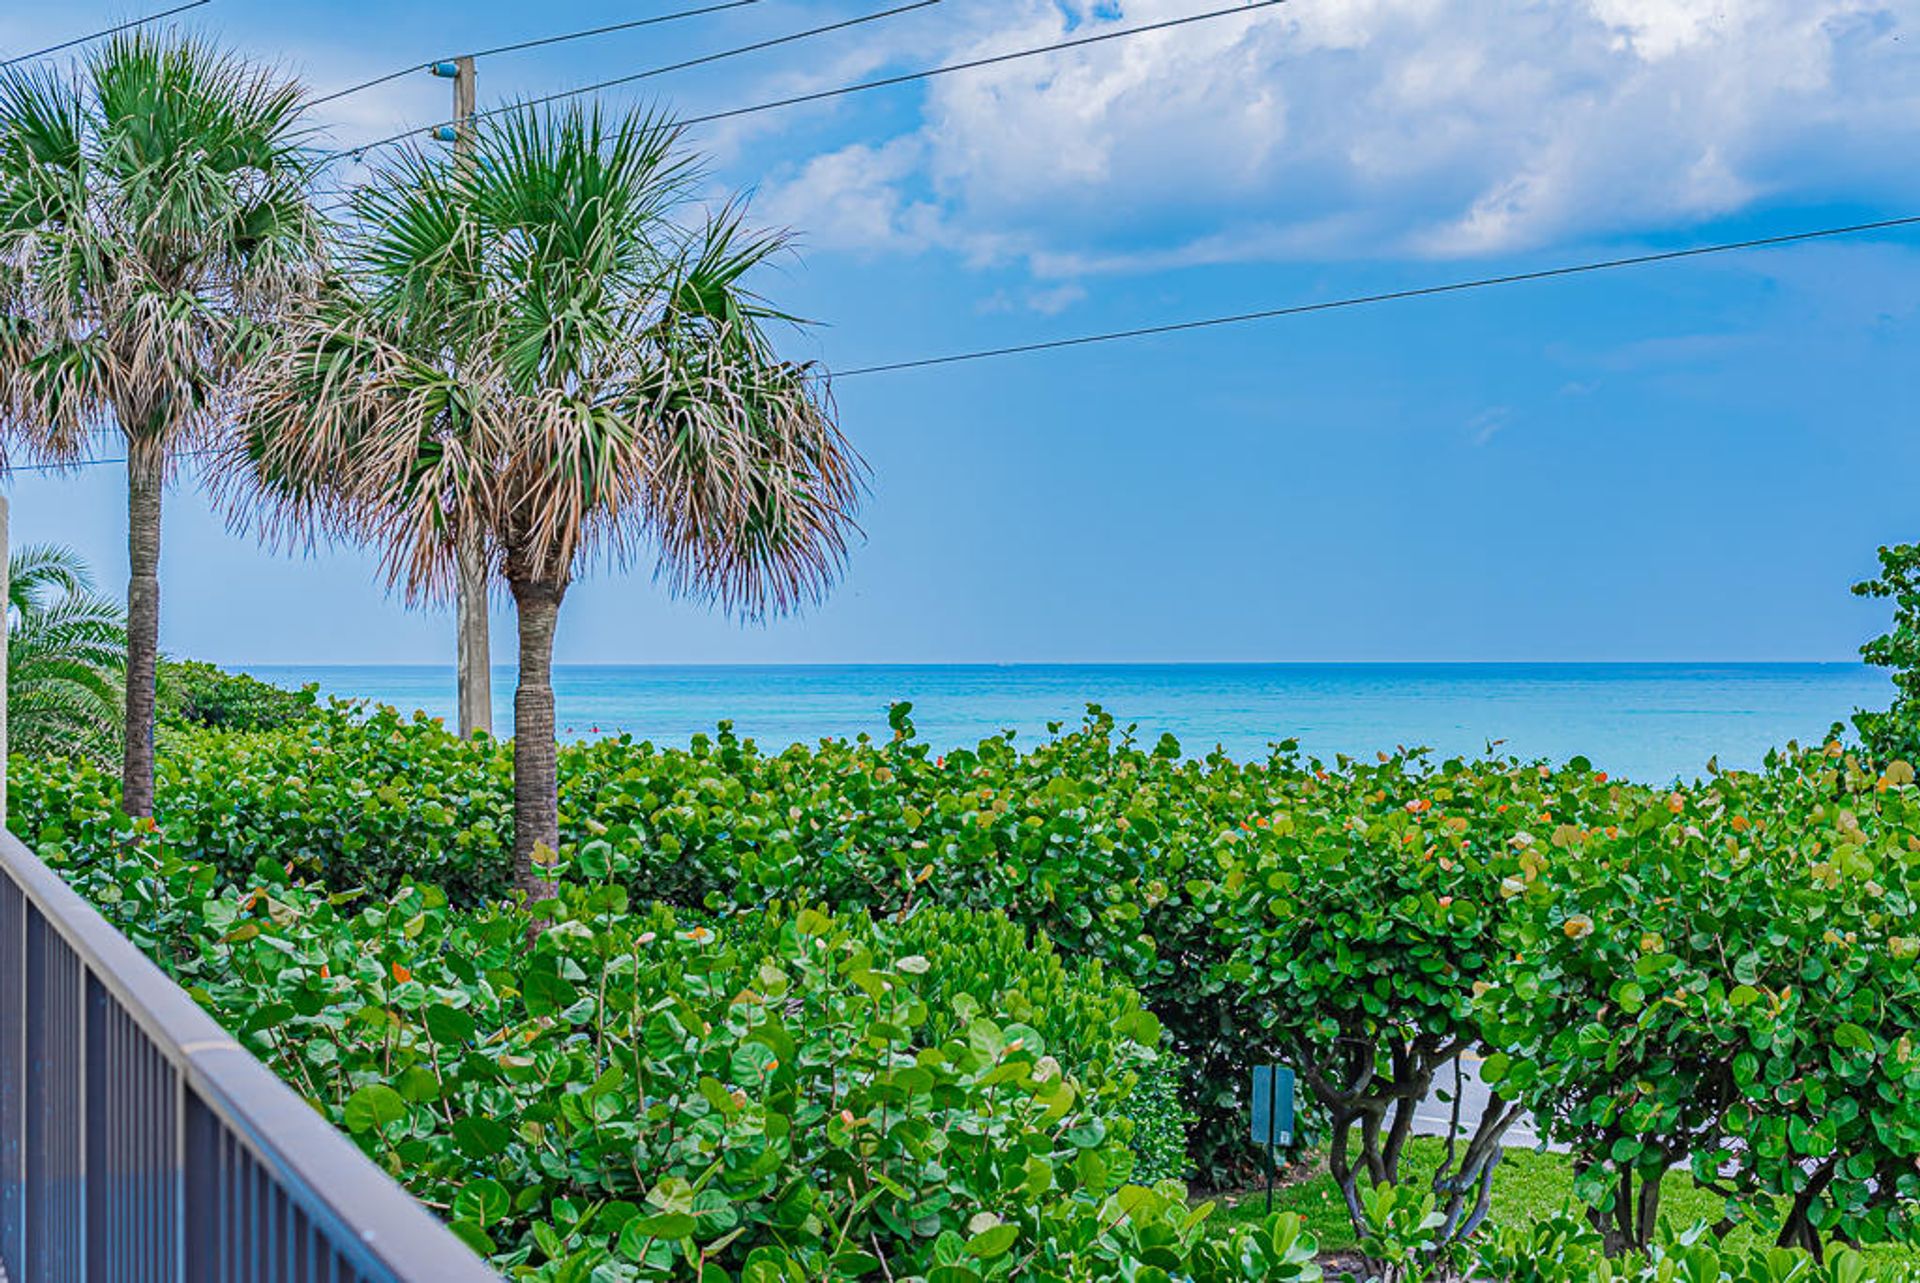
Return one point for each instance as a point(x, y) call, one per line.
point(140, 1144)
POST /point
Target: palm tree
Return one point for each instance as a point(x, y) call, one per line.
point(67, 648)
point(153, 217)
point(543, 346)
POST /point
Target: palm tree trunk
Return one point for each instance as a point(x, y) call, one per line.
point(143, 631)
point(536, 766)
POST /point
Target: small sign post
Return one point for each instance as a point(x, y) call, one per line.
point(1272, 1116)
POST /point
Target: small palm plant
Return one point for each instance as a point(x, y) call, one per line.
point(153, 217)
point(67, 649)
point(545, 347)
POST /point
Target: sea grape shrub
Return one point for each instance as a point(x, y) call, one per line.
point(1088, 839)
point(641, 1099)
point(1126, 1067)
point(1724, 977)
point(139, 884)
point(1094, 1023)
point(1084, 838)
point(1124, 1061)
point(69, 803)
point(1611, 1061)
point(351, 798)
point(198, 695)
point(1563, 1248)
point(1115, 852)
point(349, 803)
point(1364, 922)
point(1150, 1235)
point(1894, 733)
point(690, 822)
point(1278, 1249)
point(68, 812)
point(882, 826)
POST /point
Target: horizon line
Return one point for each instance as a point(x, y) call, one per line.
point(428, 665)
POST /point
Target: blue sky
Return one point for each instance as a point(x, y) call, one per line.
point(1689, 461)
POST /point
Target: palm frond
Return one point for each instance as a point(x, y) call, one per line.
point(36, 570)
point(67, 651)
point(546, 349)
point(152, 210)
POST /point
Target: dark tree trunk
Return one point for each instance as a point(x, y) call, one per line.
point(143, 630)
point(1629, 1225)
point(536, 774)
point(1649, 1208)
point(1798, 1229)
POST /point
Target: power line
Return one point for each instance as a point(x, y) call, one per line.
point(611, 27)
point(712, 57)
point(882, 83)
point(654, 71)
point(80, 40)
point(76, 464)
point(979, 62)
point(535, 44)
point(1297, 309)
point(369, 84)
point(1389, 296)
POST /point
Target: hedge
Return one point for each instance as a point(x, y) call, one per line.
point(1719, 975)
point(632, 1095)
point(1081, 840)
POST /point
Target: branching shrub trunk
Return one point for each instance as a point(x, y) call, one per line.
point(1364, 925)
point(1380, 1110)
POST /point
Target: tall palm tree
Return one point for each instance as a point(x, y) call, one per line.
point(67, 648)
point(153, 216)
point(552, 347)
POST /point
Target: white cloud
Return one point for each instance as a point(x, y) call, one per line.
point(1483, 427)
point(1421, 127)
point(853, 199)
point(1051, 301)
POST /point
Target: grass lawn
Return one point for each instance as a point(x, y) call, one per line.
point(1527, 1186)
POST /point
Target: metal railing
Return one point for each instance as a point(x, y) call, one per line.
point(141, 1144)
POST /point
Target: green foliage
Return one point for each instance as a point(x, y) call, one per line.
point(194, 694)
point(1082, 839)
point(1564, 1249)
point(1724, 977)
point(1279, 1249)
point(1719, 976)
point(630, 1096)
point(1895, 732)
point(1404, 1235)
point(1086, 838)
point(1365, 919)
point(1127, 1068)
point(350, 799)
point(66, 655)
point(1157, 1109)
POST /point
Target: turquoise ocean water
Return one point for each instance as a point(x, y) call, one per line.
point(1648, 721)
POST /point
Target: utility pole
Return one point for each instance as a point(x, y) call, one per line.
point(475, 651)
